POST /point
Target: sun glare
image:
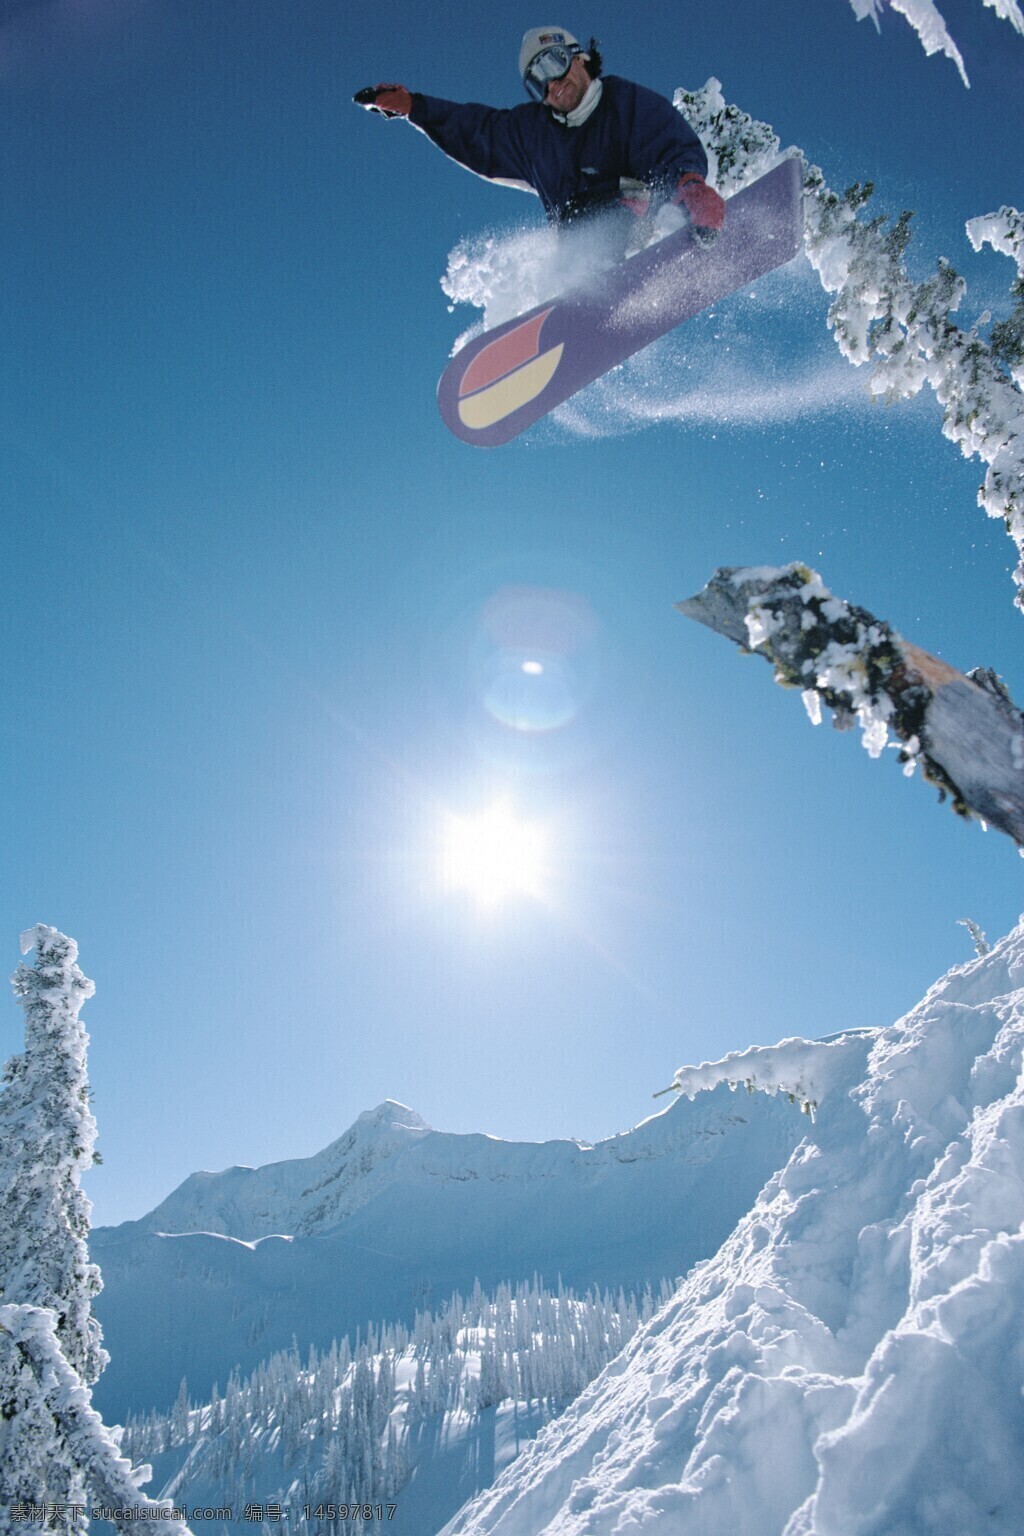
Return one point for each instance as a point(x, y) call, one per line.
point(494, 855)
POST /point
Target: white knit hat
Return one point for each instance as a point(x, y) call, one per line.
point(539, 38)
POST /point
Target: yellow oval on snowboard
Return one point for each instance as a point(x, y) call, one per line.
point(516, 389)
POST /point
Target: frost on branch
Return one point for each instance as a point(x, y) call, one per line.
point(880, 317)
point(962, 730)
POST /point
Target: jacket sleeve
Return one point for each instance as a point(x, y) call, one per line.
point(486, 140)
point(662, 145)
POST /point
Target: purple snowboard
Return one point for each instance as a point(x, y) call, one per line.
point(508, 378)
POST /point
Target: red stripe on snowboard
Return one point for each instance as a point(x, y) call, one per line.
point(503, 356)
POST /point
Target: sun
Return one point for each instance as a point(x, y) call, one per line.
point(493, 856)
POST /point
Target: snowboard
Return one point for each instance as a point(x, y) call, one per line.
point(508, 378)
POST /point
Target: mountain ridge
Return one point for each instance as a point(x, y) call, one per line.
point(393, 1215)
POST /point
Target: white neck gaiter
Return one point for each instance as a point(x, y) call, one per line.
point(579, 115)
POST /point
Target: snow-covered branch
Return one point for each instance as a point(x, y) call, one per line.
point(112, 1481)
point(1004, 232)
point(982, 947)
point(803, 1071)
point(926, 20)
point(881, 317)
point(964, 731)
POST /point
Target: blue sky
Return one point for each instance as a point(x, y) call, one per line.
point(250, 585)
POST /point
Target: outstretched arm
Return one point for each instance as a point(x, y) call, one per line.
point(486, 140)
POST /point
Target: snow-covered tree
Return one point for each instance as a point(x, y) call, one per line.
point(982, 947)
point(47, 1132)
point(48, 1139)
point(346, 1427)
point(56, 1455)
point(56, 1401)
point(179, 1417)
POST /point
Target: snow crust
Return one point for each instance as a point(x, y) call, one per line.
point(850, 1363)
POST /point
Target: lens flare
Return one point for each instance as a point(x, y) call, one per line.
point(535, 657)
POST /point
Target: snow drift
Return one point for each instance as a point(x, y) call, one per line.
point(851, 1362)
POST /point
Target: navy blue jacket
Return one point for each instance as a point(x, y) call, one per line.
point(632, 132)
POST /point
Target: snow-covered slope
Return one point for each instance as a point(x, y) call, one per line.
point(393, 1217)
point(851, 1363)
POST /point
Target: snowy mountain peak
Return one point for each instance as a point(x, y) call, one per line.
point(393, 1114)
point(393, 1217)
point(302, 1195)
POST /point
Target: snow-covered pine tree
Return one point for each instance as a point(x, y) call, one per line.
point(47, 1133)
point(346, 1426)
point(55, 1450)
point(180, 1416)
point(48, 1139)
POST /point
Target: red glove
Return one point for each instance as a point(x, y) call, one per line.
point(391, 100)
point(703, 204)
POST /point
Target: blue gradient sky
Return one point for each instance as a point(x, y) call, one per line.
point(250, 584)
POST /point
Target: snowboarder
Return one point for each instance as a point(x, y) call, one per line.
point(585, 142)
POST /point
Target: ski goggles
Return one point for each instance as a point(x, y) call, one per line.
point(550, 64)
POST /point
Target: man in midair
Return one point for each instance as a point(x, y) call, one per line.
point(584, 142)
